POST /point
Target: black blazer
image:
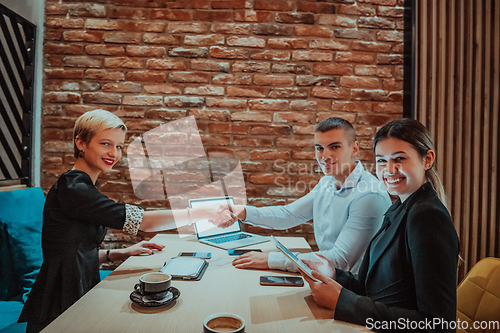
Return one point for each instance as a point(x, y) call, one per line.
point(409, 271)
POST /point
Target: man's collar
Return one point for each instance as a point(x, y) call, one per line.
point(354, 177)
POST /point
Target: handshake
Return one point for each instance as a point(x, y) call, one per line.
point(225, 215)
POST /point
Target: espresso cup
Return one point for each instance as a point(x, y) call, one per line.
point(153, 284)
point(224, 322)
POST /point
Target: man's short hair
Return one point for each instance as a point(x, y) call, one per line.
point(333, 123)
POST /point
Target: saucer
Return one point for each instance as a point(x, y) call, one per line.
point(172, 294)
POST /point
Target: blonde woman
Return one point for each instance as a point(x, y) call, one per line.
point(76, 216)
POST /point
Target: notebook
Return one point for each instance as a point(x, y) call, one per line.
point(225, 238)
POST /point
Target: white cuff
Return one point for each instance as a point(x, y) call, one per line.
point(133, 219)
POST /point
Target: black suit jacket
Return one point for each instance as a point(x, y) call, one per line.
point(407, 279)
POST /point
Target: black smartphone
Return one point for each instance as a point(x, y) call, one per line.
point(289, 281)
point(204, 255)
point(236, 252)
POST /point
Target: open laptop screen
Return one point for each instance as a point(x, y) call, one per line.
point(207, 229)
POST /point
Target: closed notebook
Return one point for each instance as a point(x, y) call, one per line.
point(181, 268)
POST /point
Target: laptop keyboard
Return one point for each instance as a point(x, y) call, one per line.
point(225, 239)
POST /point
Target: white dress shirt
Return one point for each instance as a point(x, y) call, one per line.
point(345, 220)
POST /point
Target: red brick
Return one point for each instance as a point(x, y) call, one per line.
point(122, 37)
point(189, 77)
point(398, 48)
point(387, 107)
point(53, 34)
point(380, 2)
point(391, 84)
point(123, 62)
point(212, 16)
point(245, 141)
point(61, 97)
point(142, 100)
point(217, 115)
point(313, 30)
point(232, 79)
point(166, 114)
point(226, 103)
point(228, 53)
point(246, 41)
point(295, 18)
point(162, 89)
point(350, 117)
point(303, 154)
point(268, 104)
point(210, 65)
point(294, 117)
point(166, 64)
point(82, 61)
point(58, 122)
point(355, 57)
point(228, 128)
point(145, 51)
point(59, 73)
point(101, 98)
point(370, 95)
point(373, 70)
point(191, 27)
point(304, 129)
point(82, 36)
point(333, 69)
point(391, 11)
point(290, 68)
point(185, 102)
point(225, 4)
point(235, 91)
point(308, 105)
point(163, 39)
point(146, 26)
point(288, 93)
point(128, 13)
point(278, 5)
point(187, 4)
point(122, 87)
point(337, 20)
point(95, 24)
point(373, 119)
point(315, 7)
point(51, 160)
point(204, 40)
point(376, 23)
point(142, 124)
point(390, 59)
point(269, 154)
point(329, 44)
point(76, 110)
point(267, 178)
point(62, 48)
point(170, 15)
point(354, 34)
point(195, 52)
point(312, 56)
point(251, 116)
point(287, 43)
point(399, 72)
point(64, 23)
point(57, 147)
point(271, 55)
point(251, 67)
point(359, 82)
point(273, 80)
point(327, 92)
point(231, 28)
point(347, 106)
point(252, 16)
point(312, 80)
point(204, 90)
point(390, 36)
point(270, 130)
point(105, 50)
point(371, 46)
point(146, 76)
point(273, 29)
point(295, 142)
point(104, 74)
point(356, 9)
point(53, 60)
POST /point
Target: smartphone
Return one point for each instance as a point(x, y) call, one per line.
point(236, 252)
point(290, 281)
point(203, 255)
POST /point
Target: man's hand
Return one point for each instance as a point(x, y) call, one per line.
point(228, 215)
point(256, 260)
point(325, 293)
point(322, 265)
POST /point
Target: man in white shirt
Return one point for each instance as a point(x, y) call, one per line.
point(347, 205)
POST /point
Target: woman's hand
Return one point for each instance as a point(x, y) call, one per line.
point(225, 216)
point(325, 293)
point(252, 260)
point(142, 248)
point(322, 265)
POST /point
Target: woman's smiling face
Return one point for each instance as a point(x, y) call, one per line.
point(400, 167)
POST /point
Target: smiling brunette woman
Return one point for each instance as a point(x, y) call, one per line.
point(407, 280)
point(76, 216)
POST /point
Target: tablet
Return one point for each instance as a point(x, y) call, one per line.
point(303, 267)
point(184, 268)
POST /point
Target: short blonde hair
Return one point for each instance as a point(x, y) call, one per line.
point(93, 122)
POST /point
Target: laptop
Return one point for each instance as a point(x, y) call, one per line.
point(225, 238)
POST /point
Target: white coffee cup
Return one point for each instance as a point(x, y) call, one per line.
point(224, 322)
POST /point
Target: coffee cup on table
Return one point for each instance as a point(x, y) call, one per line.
point(224, 322)
point(154, 284)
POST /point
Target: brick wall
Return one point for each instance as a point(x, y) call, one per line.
point(256, 74)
